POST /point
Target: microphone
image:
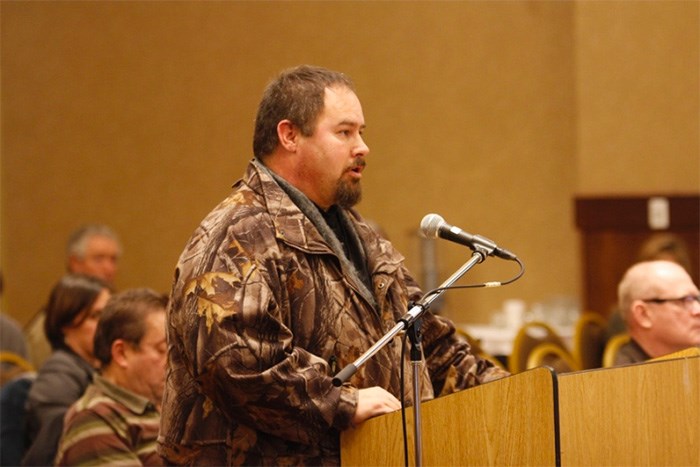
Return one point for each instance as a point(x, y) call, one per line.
point(433, 226)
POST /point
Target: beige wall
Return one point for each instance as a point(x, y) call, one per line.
point(493, 114)
point(638, 88)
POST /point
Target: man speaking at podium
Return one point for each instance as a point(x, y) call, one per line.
point(281, 286)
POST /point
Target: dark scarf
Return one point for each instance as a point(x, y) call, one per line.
point(351, 240)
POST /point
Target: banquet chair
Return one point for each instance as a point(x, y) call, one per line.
point(590, 337)
point(12, 365)
point(612, 347)
point(12, 358)
point(476, 349)
point(553, 356)
point(528, 337)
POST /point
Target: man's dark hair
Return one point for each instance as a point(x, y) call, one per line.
point(297, 95)
point(124, 317)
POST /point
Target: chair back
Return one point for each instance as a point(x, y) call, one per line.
point(612, 347)
point(528, 337)
point(553, 356)
point(12, 365)
point(590, 337)
point(476, 349)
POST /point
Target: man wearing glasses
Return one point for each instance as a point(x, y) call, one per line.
point(661, 306)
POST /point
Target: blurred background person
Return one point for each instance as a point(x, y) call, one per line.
point(661, 306)
point(16, 376)
point(92, 250)
point(659, 246)
point(13, 345)
point(666, 246)
point(72, 311)
point(117, 419)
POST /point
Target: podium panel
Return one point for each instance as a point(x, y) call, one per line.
point(507, 422)
point(690, 352)
point(638, 415)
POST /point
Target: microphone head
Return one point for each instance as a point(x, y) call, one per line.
point(430, 225)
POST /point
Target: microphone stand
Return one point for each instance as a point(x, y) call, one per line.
point(408, 321)
point(414, 335)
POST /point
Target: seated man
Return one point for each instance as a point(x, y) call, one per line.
point(116, 421)
point(661, 306)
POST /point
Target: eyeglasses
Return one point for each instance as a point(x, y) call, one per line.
point(686, 302)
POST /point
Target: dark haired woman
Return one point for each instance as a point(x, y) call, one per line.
point(72, 312)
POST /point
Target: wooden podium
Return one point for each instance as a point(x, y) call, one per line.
point(507, 422)
point(639, 415)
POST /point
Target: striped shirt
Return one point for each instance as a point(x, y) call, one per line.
point(110, 425)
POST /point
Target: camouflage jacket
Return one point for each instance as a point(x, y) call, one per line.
point(262, 315)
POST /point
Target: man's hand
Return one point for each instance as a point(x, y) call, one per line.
point(372, 402)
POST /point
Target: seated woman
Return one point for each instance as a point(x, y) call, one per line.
point(72, 313)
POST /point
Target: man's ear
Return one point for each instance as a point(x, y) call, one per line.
point(119, 353)
point(73, 262)
point(641, 314)
point(287, 133)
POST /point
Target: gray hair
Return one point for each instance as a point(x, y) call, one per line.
point(77, 242)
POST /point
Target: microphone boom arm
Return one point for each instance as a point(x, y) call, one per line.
point(408, 319)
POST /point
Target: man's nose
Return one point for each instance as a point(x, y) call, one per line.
point(695, 307)
point(362, 148)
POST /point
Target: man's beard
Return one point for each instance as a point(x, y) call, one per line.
point(348, 194)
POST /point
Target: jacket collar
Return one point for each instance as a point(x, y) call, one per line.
point(299, 223)
point(291, 225)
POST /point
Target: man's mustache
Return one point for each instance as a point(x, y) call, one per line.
point(359, 164)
